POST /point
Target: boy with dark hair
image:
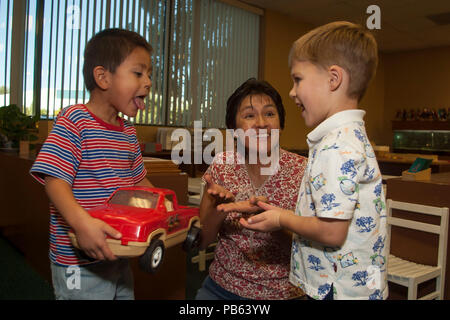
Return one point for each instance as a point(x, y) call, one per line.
point(91, 152)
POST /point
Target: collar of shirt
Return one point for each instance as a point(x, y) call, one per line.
point(334, 122)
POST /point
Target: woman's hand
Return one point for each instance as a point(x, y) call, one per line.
point(219, 193)
point(248, 206)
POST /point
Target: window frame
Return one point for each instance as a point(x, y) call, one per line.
point(19, 51)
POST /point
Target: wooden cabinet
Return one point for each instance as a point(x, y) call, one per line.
point(24, 221)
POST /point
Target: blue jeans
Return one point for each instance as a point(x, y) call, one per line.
point(210, 290)
point(108, 280)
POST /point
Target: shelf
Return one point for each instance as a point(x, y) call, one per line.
point(420, 125)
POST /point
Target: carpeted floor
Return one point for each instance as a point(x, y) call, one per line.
point(18, 281)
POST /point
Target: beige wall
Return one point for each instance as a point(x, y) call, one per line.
point(413, 79)
point(417, 79)
point(280, 32)
point(146, 133)
point(373, 103)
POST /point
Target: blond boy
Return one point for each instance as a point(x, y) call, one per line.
point(339, 225)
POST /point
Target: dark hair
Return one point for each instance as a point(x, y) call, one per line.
point(109, 48)
point(252, 87)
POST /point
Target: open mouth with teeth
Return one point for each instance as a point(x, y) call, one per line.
point(139, 102)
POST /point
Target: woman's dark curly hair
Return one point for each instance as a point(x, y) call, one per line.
point(252, 87)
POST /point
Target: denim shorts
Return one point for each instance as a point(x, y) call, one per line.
point(107, 280)
point(210, 290)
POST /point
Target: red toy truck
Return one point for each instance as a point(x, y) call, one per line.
point(150, 220)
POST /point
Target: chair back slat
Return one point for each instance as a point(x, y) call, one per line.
point(404, 223)
point(413, 207)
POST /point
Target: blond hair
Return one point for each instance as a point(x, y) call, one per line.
point(340, 43)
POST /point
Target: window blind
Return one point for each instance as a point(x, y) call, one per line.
point(202, 50)
point(214, 49)
point(6, 12)
point(68, 26)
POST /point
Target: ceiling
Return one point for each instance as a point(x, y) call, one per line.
point(404, 23)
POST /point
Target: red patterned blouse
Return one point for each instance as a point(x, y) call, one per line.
point(249, 263)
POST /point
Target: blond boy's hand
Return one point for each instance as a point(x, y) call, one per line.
point(267, 221)
point(91, 237)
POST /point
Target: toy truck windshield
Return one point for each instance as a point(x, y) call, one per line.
point(135, 198)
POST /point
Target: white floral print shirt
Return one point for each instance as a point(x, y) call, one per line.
point(342, 181)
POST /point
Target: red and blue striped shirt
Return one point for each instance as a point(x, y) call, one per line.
point(95, 158)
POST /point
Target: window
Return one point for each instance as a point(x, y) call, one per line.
point(6, 10)
point(202, 50)
point(68, 25)
point(214, 49)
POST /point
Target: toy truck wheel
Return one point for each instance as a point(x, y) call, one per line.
point(192, 239)
point(152, 258)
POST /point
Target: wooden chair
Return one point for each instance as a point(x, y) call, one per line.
point(410, 274)
point(203, 256)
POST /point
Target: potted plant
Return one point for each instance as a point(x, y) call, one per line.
point(15, 126)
